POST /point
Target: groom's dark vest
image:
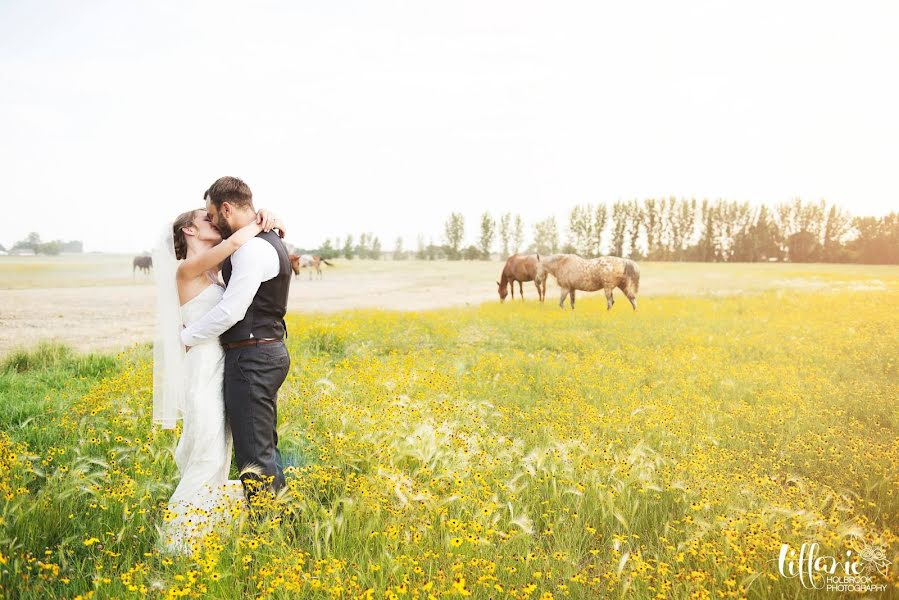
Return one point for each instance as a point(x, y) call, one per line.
point(265, 316)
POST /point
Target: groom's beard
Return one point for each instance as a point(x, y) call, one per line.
point(223, 228)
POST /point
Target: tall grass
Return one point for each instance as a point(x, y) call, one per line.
point(509, 450)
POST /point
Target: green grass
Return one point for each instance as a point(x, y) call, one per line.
point(620, 454)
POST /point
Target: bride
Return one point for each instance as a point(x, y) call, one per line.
point(188, 384)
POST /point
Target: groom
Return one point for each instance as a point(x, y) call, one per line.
point(250, 322)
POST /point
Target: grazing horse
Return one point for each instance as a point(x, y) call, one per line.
point(144, 263)
point(522, 268)
point(604, 273)
point(298, 261)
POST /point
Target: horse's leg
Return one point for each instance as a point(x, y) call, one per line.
point(521, 290)
point(562, 299)
point(627, 292)
point(512, 287)
point(609, 300)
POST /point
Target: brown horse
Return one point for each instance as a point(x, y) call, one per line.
point(604, 273)
point(144, 263)
point(298, 261)
point(522, 268)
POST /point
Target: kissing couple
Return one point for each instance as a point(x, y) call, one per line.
point(219, 356)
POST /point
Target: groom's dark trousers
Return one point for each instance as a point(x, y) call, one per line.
point(253, 375)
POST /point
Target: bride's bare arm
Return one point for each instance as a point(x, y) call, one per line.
point(210, 259)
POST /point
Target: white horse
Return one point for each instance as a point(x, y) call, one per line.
point(589, 275)
point(299, 261)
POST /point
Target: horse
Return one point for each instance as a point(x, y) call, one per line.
point(589, 275)
point(144, 263)
point(522, 268)
point(298, 261)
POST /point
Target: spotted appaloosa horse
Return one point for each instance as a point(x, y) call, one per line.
point(299, 261)
point(589, 275)
point(144, 263)
point(521, 268)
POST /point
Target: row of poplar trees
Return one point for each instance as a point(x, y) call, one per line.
point(678, 229)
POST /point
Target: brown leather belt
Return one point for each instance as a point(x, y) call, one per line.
point(250, 342)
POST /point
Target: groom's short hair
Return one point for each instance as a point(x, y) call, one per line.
point(229, 189)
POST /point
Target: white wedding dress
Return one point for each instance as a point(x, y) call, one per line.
point(204, 495)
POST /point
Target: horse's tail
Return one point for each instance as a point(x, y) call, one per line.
point(632, 273)
point(327, 263)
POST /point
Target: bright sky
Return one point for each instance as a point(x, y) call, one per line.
point(385, 116)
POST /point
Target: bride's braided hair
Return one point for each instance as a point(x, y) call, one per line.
point(183, 220)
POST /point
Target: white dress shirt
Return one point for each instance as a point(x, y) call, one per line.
point(254, 262)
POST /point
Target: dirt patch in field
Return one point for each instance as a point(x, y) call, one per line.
point(99, 312)
point(114, 317)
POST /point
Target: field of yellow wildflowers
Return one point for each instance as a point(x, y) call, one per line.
point(501, 451)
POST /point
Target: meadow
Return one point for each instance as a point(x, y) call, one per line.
point(493, 451)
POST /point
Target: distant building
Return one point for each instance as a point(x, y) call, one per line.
point(23, 252)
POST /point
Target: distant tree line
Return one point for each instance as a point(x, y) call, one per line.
point(33, 243)
point(665, 229)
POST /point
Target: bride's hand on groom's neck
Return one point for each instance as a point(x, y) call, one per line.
point(268, 221)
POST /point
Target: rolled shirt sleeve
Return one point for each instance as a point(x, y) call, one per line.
point(253, 263)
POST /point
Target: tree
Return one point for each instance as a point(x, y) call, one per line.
point(472, 253)
point(375, 251)
point(362, 245)
point(488, 230)
point(49, 248)
point(653, 224)
point(505, 234)
point(759, 241)
point(454, 230)
point(802, 246)
point(877, 239)
point(599, 225)
point(518, 234)
point(836, 227)
point(327, 250)
point(635, 221)
point(619, 227)
point(420, 252)
point(431, 250)
point(706, 246)
point(546, 236)
point(348, 247)
point(580, 229)
point(398, 252)
point(31, 242)
point(767, 244)
point(683, 224)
